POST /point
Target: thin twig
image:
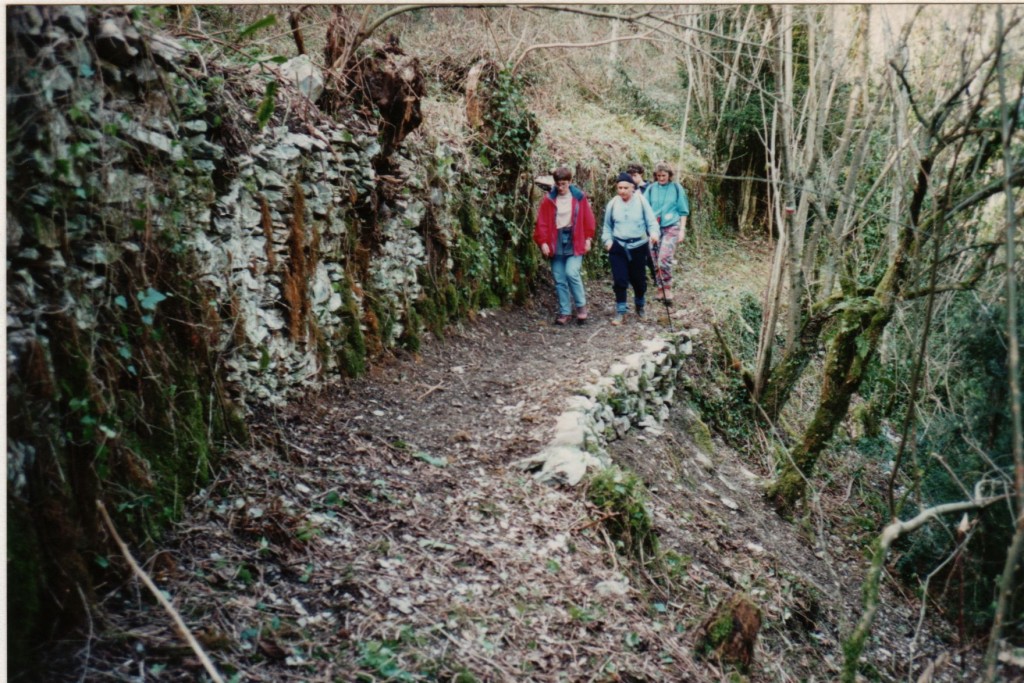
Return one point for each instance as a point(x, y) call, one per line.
point(595, 521)
point(92, 635)
point(297, 447)
point(183, 630)
point(429, 391)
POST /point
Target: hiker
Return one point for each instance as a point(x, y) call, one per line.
point(671, 207)
point(637, 172)
point(564, 232)
point(629, 226)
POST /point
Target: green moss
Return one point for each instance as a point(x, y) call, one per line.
point(434, 307)
point(698, 430)
point(352, 352)
point(452, 300)
point(410, 339)
point(724, 401)
point(786, 490)
point(469, 216)
point(434, 318)
point(618, 404)
point(486, 298)
point(720, 630)
point(867, 416)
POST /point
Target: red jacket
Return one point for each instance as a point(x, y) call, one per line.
point(546, 232)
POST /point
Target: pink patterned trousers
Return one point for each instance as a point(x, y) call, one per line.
point(666, 250)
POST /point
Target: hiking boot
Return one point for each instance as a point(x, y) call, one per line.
point(562, 320)
point(617, 320)
point(581, 315)
point(641, 313)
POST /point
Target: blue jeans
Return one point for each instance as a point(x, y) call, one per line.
point(566, 271)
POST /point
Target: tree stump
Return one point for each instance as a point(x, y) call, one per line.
point(731, 632)
point(475, 98)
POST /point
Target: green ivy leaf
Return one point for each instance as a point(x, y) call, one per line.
point(150, 298)
point(863, 347)
point(266, 108)
point(263, 23)
point(430, 459)
point(121, 302)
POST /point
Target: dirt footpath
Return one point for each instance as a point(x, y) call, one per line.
point(377, 531)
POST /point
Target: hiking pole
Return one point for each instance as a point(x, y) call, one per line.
point(658, 283)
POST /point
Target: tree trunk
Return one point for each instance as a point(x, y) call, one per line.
point(849, 354)
point(861, 324)
point(613, 51)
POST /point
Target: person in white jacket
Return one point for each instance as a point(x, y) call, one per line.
point(630, 227)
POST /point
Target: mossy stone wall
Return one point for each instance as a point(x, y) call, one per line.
point(183, 247)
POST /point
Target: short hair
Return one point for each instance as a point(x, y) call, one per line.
point(562, 173)
point(664, 167)
point(635, 168)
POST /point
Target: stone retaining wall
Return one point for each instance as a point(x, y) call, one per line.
point(635, 393)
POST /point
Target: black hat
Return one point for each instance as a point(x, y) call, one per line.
point(625, 178)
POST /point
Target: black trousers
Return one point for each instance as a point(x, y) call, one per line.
point(629, 268)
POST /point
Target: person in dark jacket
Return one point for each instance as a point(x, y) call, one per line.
point(564, 232)
point(637, 173)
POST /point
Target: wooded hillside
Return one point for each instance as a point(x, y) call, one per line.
point(215, 213)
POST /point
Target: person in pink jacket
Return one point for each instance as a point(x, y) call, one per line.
point(564, 232)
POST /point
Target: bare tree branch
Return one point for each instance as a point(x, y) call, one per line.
point(855, 643)
point(596, 43)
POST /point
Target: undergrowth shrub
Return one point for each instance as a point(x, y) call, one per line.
point(963, 431)
point(741, 328)
point(620, 498)
point(716, 390)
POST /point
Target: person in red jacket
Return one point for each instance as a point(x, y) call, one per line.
point(564, 233)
